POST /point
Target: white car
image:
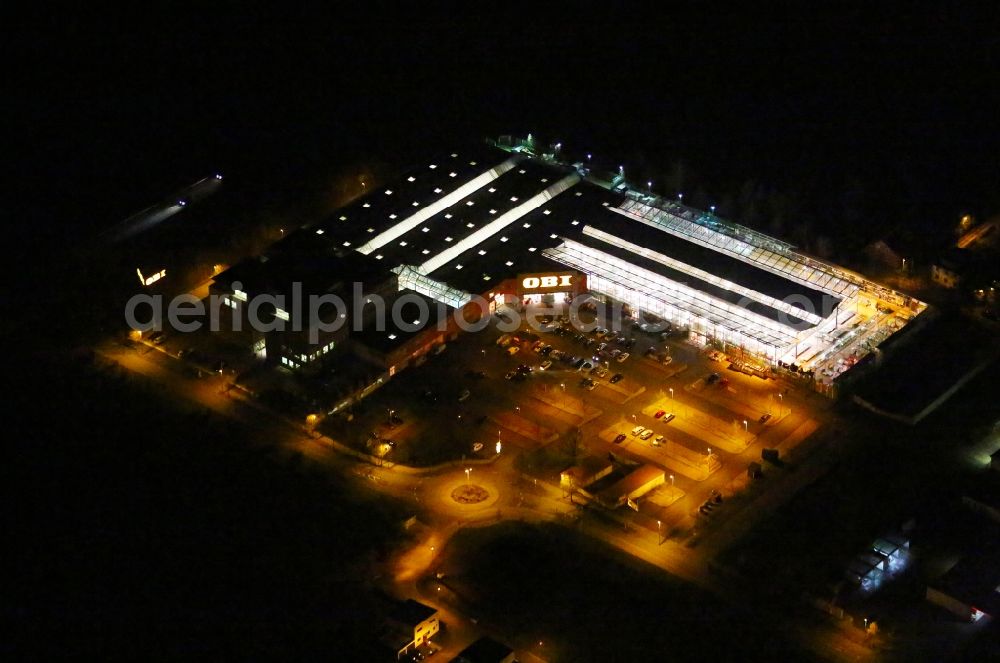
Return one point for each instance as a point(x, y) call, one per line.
point(646, 434)
point(622, 357)
point(658, 440)
point(638, 430)
point(545, 365)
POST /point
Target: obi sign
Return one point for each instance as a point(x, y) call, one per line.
point(543, 283)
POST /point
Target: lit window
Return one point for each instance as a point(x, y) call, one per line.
point(503, 239)
point(509, 263)
point(527, 225)
point(347, 243)
point(425, 229)
point(343, 218)
point(411, 178)
point(319, 231)
point(388, 192)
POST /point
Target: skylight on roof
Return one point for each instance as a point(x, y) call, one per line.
point(544, 180)
point(575, 222)
point(392, 337)
point(366, 205)
point(433, 166)
point(527, 225)
point(448, 215)
point(472, 163)
point(513, 199)
point(347, 243)
point(493, 211)
point(416, 204)
point(469, 203)
point(509, 263)
point(482, 252)
point(403, 243)
point(492, 189)
point(486, 277)
point(553, 236)
point(452, 174)
point(425, 229)
point(447, 239)
point(547, 212)
point(470, 224)
point(522, 171)
point(454, 156)
point(605, 203)
point(378, 257)
point(388, 192)
point(371, 230)
point(579, 193)
point(319, 231)
point(503, 239)
point(425, 251)
point(438, 190)
point(392, 216)
point(411, 178)
point(458, 267)
point(343, 218)
point(532, 249)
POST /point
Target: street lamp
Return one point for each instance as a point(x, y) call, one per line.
point(746, 427)
point(563, 385)
point(671, 393)
point(468, 471)
point(499, 446)
point(659, 536)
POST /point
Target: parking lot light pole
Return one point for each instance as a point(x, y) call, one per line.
point(468, 471)
point(659, 535)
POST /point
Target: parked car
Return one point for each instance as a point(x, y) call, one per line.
point(659, 413)
point(513, 350)
point(617, 377)
point(763, 418)
point(646, 434)
point(545, 365)
point(464, 396)
point(510, 375)
point(622, 357)
point(599, 371)
point(620, 438)
point(638, 430)
point(658, 440)
point(668, 418)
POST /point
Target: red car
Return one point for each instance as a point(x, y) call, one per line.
point(659, 414)
point(620, 438)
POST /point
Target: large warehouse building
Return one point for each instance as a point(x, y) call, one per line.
point(515, 223)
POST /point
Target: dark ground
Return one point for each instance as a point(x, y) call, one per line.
point(131, 529)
